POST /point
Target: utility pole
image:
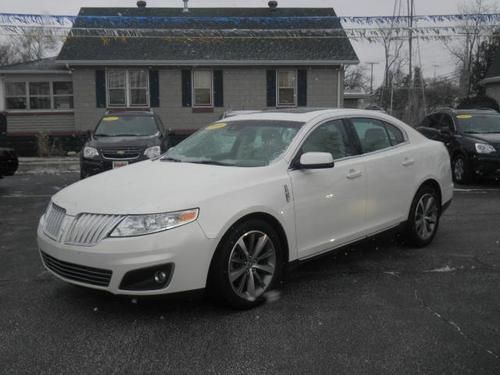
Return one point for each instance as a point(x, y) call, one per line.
point(371, 75)
point(411, 6)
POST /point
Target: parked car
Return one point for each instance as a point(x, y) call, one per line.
point(472, 138)
point(122, 138)
point(8, 161)
point(235, 203)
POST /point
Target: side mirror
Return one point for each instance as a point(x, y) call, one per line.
point(316, 160)
point(88, 133)
point(445, 133)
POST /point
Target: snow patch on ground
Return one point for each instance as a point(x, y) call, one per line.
point(446, 268)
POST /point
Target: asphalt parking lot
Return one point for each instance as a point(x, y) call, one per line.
point(380, 308)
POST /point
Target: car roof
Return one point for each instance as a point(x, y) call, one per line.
point(298, 114)
point(128, 113)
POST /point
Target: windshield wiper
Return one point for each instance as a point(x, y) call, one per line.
point(168, 158)
point(101, 135)
point(211, 162)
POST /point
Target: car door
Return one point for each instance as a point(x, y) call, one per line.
point(329, 203)
point(390, 172)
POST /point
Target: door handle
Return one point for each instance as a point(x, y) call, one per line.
point(353, 173)
point(407, 162)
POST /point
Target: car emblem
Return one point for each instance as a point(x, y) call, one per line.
point(120, 152)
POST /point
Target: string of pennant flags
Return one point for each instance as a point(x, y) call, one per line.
point(371, 29)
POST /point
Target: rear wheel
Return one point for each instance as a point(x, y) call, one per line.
point(423, 221)
point(248, 263)
point(461, 170)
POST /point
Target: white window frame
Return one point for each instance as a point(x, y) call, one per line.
point(295, 89)
point(28, 95)
point(128, 88)
point(53, 96)
point(193, 89)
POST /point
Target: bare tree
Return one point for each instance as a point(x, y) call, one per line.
point(356, 78)
point(35, 43)
point(467, 49)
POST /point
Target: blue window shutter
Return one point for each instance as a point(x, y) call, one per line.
point(154, 88)
point(271, 88)
point(186, 88)
point(218, 89)
point(100, 88)
point(302, 88)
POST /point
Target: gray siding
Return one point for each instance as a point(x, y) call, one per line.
point(26, 123)
point(86, 112)
point(323, 87)
point(244, 88)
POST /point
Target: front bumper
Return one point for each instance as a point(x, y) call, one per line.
point(186, 248)
point(486, 166)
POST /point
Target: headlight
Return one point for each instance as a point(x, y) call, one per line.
point(90, 152)
point(152, 152)
point(484, 148)
point(138, 225)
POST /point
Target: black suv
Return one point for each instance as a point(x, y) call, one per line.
point(122, 138)
point(472, 137)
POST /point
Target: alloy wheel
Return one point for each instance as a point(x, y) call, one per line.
point(426, 216)
point(459, 169)
point(252, 265)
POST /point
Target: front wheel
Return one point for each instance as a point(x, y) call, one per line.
point(423, 221)
point(461, 170)
point(247, 263)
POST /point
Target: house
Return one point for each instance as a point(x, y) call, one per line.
point(187, 65)
point(492, 80)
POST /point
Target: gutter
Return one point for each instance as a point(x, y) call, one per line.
point(209, 62)
point(35, 72)
point(489, 80)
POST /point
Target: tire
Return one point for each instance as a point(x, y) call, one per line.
point(423, 220)
point(461, 170)
point(248, 263)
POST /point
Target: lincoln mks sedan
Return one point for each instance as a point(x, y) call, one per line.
point(234, 204)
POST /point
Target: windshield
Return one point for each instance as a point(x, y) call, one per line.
point(481, 124)
point(249, 143)
point(126, 126)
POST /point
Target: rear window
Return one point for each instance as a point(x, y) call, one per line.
point(126, 126)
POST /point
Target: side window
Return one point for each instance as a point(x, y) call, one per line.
point(372, 134)
point(395, 135)
point(446, 122)
point(434, 120)
point(330, 137)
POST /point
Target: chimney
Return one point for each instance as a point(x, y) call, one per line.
point(273, 5)
point(186, 8)
point(141, 4)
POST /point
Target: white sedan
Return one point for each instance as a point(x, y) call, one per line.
point(231, 206)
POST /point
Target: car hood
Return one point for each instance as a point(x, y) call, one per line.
point(117, 142)
point(486, 137)
point(156, 186)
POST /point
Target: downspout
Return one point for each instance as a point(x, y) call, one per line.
point(339, 88)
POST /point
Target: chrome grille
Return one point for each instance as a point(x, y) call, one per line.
point(89, 229)
point(53, 221)
point(76, 272)
point(121, 154)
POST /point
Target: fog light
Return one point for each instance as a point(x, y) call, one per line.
point(149, 278)
point(160, 277)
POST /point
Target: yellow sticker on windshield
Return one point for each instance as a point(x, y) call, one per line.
point(464, 117)
point(217, 125)
point(110, 118)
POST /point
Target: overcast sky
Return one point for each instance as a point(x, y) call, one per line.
point(435, 59)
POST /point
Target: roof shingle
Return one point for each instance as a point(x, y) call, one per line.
point(217, 35)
